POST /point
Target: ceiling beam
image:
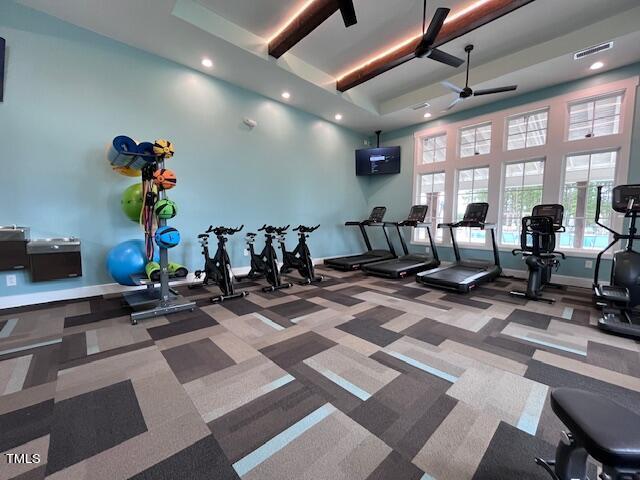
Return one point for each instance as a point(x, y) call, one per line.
point(483, 14)
point(301, 26)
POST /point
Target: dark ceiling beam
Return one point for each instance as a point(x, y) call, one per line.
point(486, 13)
point(301, 26)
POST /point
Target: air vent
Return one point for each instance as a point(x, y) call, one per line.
point(421, 105)
point(592, 50)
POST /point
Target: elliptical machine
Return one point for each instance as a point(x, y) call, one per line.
point(217, 270)
point(265, 264)
point(300, 258)
point(537, 246)
point(619, 298)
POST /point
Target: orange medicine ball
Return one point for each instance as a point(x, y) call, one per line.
point(164, 178)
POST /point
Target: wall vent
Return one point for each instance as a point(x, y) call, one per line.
point(421, 105)
point(592, 50)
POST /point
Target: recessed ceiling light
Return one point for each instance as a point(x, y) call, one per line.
point(427, 115)
point(286, 95)
point(596, 66)
point(206, 62)
point(338, 116)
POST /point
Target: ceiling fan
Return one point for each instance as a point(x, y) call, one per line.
point(348, 12)
point(467, 92)
point(425, 47)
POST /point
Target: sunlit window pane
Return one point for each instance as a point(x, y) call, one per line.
point(528, 130)
point(595, 118)
point(583, 174)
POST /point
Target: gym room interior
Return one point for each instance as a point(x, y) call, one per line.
point(320, 239)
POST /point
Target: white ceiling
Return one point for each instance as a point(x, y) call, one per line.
point(531, 47)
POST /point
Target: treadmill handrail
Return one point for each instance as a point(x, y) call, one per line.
point(598, 205)
point(462, 224)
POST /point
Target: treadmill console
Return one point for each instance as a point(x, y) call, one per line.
point(417, 214)
point(476, 213)
point(553, 210)
point(626, 198)
point(377, 214)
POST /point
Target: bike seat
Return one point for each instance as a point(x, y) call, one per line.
point(203, 235)
point(609, 431)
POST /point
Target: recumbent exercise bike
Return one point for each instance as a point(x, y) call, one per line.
point(217, 270)
point(265, 264)
point(598, 427)
point(537, 246)
point(300, 258)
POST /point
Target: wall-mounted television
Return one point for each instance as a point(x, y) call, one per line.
point(378, 161)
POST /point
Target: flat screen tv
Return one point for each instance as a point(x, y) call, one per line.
point(378, 161)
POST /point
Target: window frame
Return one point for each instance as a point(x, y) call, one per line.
point(554, 151)
point(431, 219)
point(435, 149)
point(473, 192)
point(616, 219)
point(593, 99)
point(503, 179)
point(475, 127)
point(526, 114)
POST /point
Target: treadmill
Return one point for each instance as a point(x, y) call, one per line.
point(463, 275)
point(354, 262)
point(408, 264)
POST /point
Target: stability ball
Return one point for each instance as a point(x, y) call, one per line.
point(131, 202)
point(126, 259)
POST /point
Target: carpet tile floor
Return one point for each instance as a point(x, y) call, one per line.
point(353, 378)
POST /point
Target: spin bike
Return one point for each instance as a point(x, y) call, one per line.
point(217, 270)
point(265, 264)
point(537, 246)
point(300, 258)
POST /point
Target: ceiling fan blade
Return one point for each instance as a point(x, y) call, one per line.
point(454, 103)
point(451, 86)
point(435, 26)
point(489, 91)
point(348, 12)
point(444, 57)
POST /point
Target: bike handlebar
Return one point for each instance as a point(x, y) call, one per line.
point(270, 229)
point(222, 230)
point(304, 229)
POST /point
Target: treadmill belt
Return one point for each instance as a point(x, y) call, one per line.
point(397, 264)
point(457, 274)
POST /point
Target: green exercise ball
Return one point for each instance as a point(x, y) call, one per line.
point(131, 202)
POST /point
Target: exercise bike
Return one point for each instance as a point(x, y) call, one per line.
point(300, 258)
point(265, 264)
point(619, 299)
point(598, 427)
point(217, 270)
point(537, 247)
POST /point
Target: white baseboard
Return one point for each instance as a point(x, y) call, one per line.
point(95, 290)
point(108, 288)
point(561, 279)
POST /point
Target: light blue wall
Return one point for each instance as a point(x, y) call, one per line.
point(69, 91)
point(395, 191)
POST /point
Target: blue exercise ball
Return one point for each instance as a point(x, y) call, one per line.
point(126, 259)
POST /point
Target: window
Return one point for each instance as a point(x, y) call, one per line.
point(472, 186)
point(583, 173)
point(431, 192)
point(522, 191)
point(528, 130)
point(475, 140)
point(434, 149)
point(595, 118)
